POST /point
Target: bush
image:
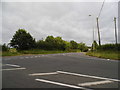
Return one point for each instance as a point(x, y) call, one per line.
point(113, 47)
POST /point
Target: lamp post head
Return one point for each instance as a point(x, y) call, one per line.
point(89, 15)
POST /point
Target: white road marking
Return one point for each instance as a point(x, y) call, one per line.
point(94, 83)
point(11, 65)
point(82, 75)
point(61, 84)
point(26, 57)
point(3, 65)
point(12, 69)
point(21, 57)
point(38, 74)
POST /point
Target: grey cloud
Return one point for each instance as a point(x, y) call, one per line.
point(68, 20)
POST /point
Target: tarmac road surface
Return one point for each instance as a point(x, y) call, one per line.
point(67, 70)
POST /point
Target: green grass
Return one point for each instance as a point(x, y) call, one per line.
point(10, 53)
point(105, 54)
point(34, 51)
point(0, 53)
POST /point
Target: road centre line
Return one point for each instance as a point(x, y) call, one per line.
point(82, 75)
point(40, 74)
point(61, 84)
point(12, 69)
point(95, 83)
point(11, 65)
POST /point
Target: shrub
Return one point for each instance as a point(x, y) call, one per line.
point(113, 47)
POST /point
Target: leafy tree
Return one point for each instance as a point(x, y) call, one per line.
point(59, 43)
point(82, 47)
point(22, 40)
point(4, 47)
point(67, 46)
point(49, 42)
point(41, 44)
point(73, 44)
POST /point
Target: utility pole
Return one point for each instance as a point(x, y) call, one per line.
point(115, 30)
point(98, 32)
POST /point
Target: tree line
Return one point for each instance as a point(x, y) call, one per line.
point(22, 40)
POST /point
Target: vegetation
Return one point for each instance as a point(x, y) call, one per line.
point(105, 54)
point(14, 52)
point(24, 43)
point(109, 51)
point(4, 47)
point(22, 40)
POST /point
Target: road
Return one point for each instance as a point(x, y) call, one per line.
point(68, 70)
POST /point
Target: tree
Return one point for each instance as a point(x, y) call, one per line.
point(67, 46)
point(73, 44)
point(54, 43)
point(22, 40)
point(59, 43)
point(82, 47)
point(41, 44)
point(49, 43)
point(4, 47)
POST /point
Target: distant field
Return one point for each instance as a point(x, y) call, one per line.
point(105, 54)
point(15, 53)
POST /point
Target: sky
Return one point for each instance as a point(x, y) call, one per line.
point(69, 20)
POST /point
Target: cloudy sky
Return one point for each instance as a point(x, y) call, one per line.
point(70, 20)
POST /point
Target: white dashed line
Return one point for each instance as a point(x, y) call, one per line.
point(95, 83)
point(12, 65)
point(12, 69)
point(36, 74)
point(61, 84)
point(21, 57)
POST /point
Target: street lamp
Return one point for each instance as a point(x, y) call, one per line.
point(93, 35)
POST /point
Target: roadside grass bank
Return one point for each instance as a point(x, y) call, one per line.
point(0, 53)
point(35, 51)
point(108, 54)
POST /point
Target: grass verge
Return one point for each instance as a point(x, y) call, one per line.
point(105, 54)
point(35, 51)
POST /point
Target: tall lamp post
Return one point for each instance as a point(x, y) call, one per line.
point(93, 35)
